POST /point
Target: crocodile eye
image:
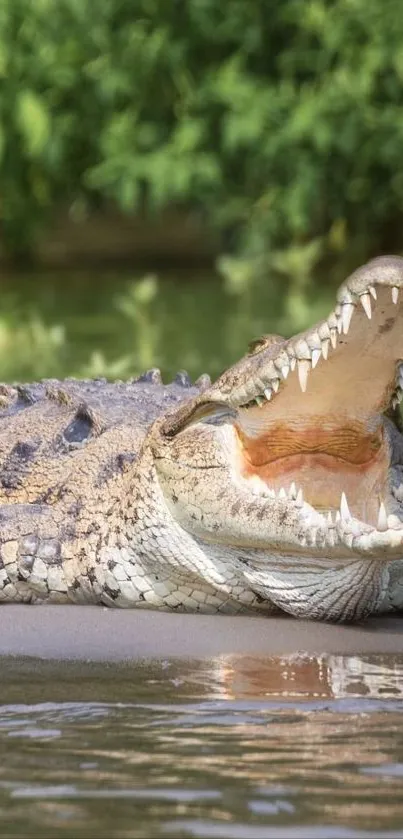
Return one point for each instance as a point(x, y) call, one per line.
point(259, 344)
point(256, 345)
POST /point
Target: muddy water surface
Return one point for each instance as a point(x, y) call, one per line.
point(232, 744)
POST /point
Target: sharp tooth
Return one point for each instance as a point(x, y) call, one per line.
point(259, 401)
point(304, 367)
point(267, 393)
point(281, 366)
point(382, 518)
point(395, 294)
point(333, 338)
point(372, 290)
point(345, 512)
point(338, 516)
point(292, 492)
point(316, 354)
point(352, 526)
point(255, 484)
point(346, 314)
point(300, 498)
point(325, 348)
point(275, 383)
point(339, 326)
point(293, 362)
point(282, 493)
point(313, 341)
point(331, 538)
point(323, 331)
point(366, 304)
point(302, 349)
point(258, 487)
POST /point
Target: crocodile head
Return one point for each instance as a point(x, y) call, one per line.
point(293, 459)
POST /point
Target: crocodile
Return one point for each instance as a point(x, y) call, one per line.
point(276, 489)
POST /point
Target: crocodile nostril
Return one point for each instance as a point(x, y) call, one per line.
point(78, 430)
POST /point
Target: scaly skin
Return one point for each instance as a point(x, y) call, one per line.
point(279, 487)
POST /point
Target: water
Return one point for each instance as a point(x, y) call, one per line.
point(119, 324)
point(239, 747)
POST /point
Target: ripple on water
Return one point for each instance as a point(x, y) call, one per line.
point(237, 746)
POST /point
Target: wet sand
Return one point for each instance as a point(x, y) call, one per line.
point(94, 633)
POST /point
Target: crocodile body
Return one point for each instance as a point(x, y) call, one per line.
point(277, 488)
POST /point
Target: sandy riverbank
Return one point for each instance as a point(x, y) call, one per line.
point(98, 634)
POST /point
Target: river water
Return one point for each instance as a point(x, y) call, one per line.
point(120, 323)
point(238, 746)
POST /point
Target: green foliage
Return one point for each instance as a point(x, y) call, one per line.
point(29, 347)
point(283, 121)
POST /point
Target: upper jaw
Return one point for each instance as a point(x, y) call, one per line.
point(362, 336)
point(347, 368)
point(367, 316)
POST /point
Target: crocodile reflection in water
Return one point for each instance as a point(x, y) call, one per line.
point(309, 677)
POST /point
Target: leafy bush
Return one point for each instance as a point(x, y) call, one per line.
point(282, 121)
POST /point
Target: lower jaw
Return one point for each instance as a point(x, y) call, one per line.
point(323, 478)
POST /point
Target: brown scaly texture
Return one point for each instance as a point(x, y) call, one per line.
point(69, 482)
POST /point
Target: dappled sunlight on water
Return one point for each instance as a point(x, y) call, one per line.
point(280, 746)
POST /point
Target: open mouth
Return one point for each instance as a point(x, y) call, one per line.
point(308, 429)
point(316, 421)
point(288, 470)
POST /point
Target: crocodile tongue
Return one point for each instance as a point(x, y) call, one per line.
point(312, 413)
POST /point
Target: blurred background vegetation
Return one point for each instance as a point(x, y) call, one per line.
point(274, 128)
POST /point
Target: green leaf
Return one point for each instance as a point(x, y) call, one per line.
point(33, 122)
point(2, 142)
